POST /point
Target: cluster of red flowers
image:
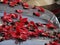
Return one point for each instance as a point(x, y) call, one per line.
point(16, 27)
point(22, 28)
point(15, 2)
point(11, 2)
point(25, 5)
point(54, 42)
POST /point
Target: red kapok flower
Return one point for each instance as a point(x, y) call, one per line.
point(25, 5)
point(32, 24)
point(40, 9)
point(5, 1)
point(9, 20)
point(13, 15)
point(12, 3)
point(6, 18)
point(19, 11)
point(24, 20)
point(36, 14)
point(23, 37)
point(50, 25)
point(41, 30)
point(44, 34)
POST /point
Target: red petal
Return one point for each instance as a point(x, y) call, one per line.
point(20, 17)
point(9, 20)
point(41, 31)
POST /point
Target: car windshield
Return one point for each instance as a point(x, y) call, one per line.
point(50, 16)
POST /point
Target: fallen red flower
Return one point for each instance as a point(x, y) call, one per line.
point(25, 5)
point(19, 30)
point(13, 15)
point(40, 9)
point(36, 14)
point(41, 30)
point(6, 18)
point(19, 11)
point(5, 1)
point(50, 25)
point(12, 3)
point(44, 34)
